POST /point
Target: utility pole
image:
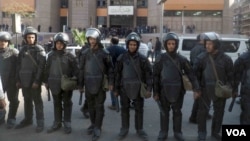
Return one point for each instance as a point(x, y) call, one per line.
point(161, 2)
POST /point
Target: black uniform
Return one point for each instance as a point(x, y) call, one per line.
point(8, 62)
point(93, 65)
point(30, 67)
point(168, 85)
point(62, 99)
point(204, 71)
point(198, 48)
point(242, 75)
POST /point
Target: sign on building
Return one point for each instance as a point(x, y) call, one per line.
point(121, 10)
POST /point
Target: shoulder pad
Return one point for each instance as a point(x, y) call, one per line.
point(39, 48)
point(202, 55)
point(120, 57)
point(105, 50)
point(85, 51)
point(14, 51)
point(245, 55)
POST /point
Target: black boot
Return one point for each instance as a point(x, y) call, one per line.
point(162, 136)
point(178, 136)
point(67, 117)
point(40, 126)
point(54, 127)
point(11, 121)
point(67, 127)
point(84, 109)
point(123, 133)
point(96, 134)
point(24, 123)
point(142, 134)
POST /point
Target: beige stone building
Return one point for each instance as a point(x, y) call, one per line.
point(194, 15)
point(242, 17)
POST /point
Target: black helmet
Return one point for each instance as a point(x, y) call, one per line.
point(5, 36)
point(200, 37)
point(171, 36)
point(133, 37)
point(29, 30)
point(63, 37)
point(94, 33)
point(213, 36)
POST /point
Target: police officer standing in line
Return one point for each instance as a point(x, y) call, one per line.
point(131, 68)
point(8, 61)
point(60, 63)
point(195, 51)
point(242, 75)
point(203, 68)
point(95, 63)
point(168, 87)
point(114, 51)
point(30, 67)
point(84, 108)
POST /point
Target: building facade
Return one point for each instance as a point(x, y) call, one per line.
point(193, 16)
point(241, 17)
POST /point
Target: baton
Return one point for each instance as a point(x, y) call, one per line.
point(160, 107)
point(80, 100)
point(48, 94)
point(231, 105)
point(117, 105)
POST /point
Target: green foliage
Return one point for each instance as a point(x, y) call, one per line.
point(79, 37)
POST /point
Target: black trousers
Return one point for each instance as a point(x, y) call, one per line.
point(96, 107)
point(125, 108)
point(12, 95)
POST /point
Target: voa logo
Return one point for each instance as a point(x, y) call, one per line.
point(236, 132)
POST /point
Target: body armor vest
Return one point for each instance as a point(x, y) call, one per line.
point(93, 75)
point(130, 80)
point(7, 67)
point(246, 77)
point(171, 81)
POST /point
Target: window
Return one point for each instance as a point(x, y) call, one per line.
point(230, 46)
point(101, 3)
point(188, 44)
point(142, 3)
point(193, 13)
point(141, 21)
point(121, 2)
point(101, 20)
point(64, 3)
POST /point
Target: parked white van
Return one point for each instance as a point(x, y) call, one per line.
point(232, 45)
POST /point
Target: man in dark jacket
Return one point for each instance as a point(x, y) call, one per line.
point(31, 64)
point(114, 51)
point(131, 70)
point(168, 86)
point(157, 47)
point(95, 64)
point(242, 75)
point(203, 68)
point(8, 62)
point(197, 49)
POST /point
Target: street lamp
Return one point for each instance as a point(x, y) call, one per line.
point(182, 20)
point(162, 15)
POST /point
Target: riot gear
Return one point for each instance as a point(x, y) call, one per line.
point(212, 36)
point(63, 37)
point(133, 37)
point(29, 30)
point(5, 36)
point(171, 36)
point(93, 33)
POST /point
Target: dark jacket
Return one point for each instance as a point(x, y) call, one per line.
point(198, 48)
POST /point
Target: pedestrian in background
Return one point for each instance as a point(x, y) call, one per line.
point(150, 50)
point(114, 51)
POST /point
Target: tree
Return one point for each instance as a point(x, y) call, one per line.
point(15, 7)
point(79, 37)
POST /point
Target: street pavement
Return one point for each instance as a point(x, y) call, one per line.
point(111, 123)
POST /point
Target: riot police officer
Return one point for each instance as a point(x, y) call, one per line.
point(30, 67)
point(242, 75)
point(8, 61)
point(168, 86)
point(95, 64)
point(60, 62)
point(203, 68)
point(131, 69)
